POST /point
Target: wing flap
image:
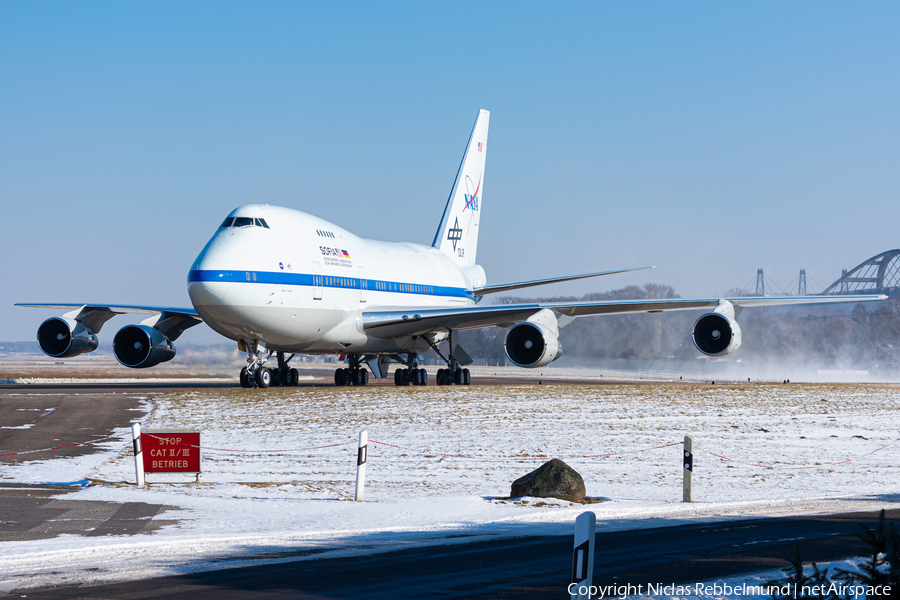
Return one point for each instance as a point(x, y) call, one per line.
point(508, 287)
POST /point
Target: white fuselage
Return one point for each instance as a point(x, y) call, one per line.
point(298, 283)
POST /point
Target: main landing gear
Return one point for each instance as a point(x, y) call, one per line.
point(454, 374)
point(354, 375)
point(255, 374)
point(412, 375)
point(454, 377)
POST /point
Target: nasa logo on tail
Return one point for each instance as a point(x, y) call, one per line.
point(472, 197)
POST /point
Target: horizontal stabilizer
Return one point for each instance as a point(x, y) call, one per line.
point(508, 287)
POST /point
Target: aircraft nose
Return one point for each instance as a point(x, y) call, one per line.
point(207, 283)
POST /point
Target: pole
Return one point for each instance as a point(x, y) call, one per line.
point(138, 457)
point(361, 465)
point(583, 556)
point(687, 495)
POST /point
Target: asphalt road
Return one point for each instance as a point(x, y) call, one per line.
point(523, 568)
point(36, 418)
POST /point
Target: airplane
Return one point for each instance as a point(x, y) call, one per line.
point(316, 288)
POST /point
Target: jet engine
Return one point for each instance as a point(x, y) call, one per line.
point(716, 334)
point(142, 346)
point(60, 338)
point(531, 345)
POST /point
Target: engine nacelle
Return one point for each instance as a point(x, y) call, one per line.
point(60, 338)
point(531, 345)
point(142, 346)
point(716, 334)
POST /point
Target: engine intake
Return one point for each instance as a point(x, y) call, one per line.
point(141, 346)
point(531, 345)
point(60, 338)
point(716, 334)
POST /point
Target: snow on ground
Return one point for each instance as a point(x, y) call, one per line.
point(758, 585)
point(445, 463)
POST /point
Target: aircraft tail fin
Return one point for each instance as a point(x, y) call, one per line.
point(457, 235)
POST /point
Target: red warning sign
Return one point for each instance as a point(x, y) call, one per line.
point(171, 451)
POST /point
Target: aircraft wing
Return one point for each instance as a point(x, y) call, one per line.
point(170, 321)
point(508, 287)
point(390, 322)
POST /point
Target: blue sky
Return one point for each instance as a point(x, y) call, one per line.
point(707, 138)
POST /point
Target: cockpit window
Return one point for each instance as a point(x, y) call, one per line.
point(244, 222)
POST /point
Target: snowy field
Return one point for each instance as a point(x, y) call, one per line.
point(279, 468)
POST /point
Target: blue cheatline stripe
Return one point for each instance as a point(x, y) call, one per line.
point(328, 281)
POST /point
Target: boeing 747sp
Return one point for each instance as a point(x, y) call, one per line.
point(281, 282)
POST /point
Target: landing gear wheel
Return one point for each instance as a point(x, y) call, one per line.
point(294, 377)
point(284, 377)
point(397, 377)
point(466, 377)
point(246, 382)
point(340, 379)
point(359, 377)
point(457, 377)
point(404, 377)
point(364, 374)
point(422, 377)
point(263, 377)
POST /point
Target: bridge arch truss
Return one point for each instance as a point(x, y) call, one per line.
point(878, 275)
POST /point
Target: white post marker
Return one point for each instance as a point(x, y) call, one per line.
point(583, 556)
point(687, 494)
point(361, 465)
point(138, 458)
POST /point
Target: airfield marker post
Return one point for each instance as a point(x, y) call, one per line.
point(138, 458)
point(583, 556)
point(361, 456)
point(688, 485)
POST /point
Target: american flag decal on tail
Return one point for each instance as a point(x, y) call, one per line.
point(479, 146)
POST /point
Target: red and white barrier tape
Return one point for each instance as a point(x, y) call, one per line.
point(111, 437)
point(232, 450)
point(495, 458)
point(794, 468)
point(520, 458)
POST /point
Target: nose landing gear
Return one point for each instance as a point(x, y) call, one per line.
point(255, 374)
